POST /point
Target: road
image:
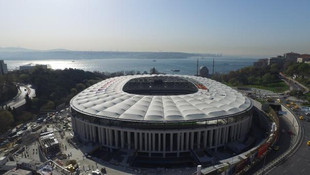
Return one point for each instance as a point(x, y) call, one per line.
point(284, 141)
point(299, 163)
point(19, 100)
point(294, 85)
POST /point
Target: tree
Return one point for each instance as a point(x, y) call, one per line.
point(48, 106)
point(6, 120)
point(303, 69)
point(24, 78)
point(80, 87)
point(268, 78)
point(25, 116)
point(28, 102)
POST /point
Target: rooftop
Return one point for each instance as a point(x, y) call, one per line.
point(107, 99)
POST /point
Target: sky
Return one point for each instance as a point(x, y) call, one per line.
point(228, 27)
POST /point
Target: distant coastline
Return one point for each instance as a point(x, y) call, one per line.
point(21, 53)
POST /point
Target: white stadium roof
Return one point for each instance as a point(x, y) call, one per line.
point(107, 99)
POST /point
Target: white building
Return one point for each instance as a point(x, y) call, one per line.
point(32, 66)
point(160, 115)
point(3, 68)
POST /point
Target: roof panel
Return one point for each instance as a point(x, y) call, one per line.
point(107, 99)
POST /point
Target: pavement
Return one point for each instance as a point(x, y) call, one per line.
point(88, 164)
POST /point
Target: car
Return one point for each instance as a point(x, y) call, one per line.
point(275, 147)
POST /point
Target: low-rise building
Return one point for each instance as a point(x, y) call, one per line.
point(275, 60)
point(304, 58)
point(261, 62)
point(291, 56)
point(49, 144)
point(32, 66)
point(18, 172)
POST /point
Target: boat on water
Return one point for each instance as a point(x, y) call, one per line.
point(175, 70)
point(154, 60)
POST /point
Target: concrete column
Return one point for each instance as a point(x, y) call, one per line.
point(99, 135)
point(192, 140)
point(94, 133)
point(164, 145)
point(219, 137)
point(240, 130)
point(86, 131)
point(182, 141)
point(153, 143)
point(233, 133)
point(129, 140)
point(237, 131)
point(91, 132)
point(136, 140)
point(150, 142)
point(217, 131)
point(244, 127)
point(140, 141)
point(187, 140)
point(198, 139)
point(108, 137)
point(116, 138)
point(171, 141)
point(159, 141)
point(145, 141)
point(211, 138)
point(205, 137)
point(122, 139)
point(178, 143)
point(102, 137)
point(224, 135)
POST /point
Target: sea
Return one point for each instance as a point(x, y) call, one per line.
point(186, 66)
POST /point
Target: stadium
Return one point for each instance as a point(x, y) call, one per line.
point(160, 115)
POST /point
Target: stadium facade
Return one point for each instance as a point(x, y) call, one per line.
point(160, 115)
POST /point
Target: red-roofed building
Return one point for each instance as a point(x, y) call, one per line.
point(304, 58)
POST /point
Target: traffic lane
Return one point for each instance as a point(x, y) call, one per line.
point(299, 163)
point(284, 141)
